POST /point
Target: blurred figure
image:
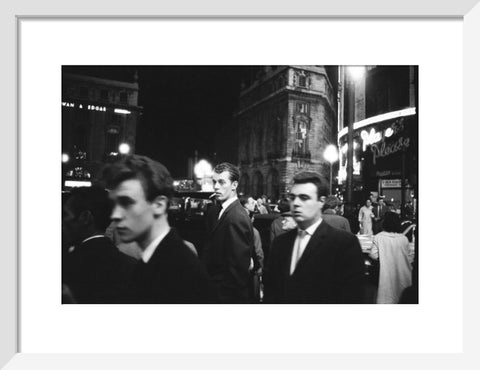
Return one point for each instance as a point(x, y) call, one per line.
point(315, 263)
point(94, 270)
point(256, 262)
point(168, 271)
point(379, 211)
point(284, 223)
point(261, 207)
point(391, 249)
point(330, 216)
point(365, 217)
point(229, 248)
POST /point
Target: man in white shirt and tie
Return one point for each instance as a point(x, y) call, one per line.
point(315, 263)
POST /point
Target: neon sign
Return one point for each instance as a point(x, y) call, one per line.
point(370, 138)
point(383, 149)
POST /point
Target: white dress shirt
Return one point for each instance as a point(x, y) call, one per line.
point(301, 241)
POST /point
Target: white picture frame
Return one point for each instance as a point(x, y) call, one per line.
point(12, 11)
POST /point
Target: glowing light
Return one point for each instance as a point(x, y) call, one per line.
point(124, 148)
point(203, 169)
point(331, 153)
point(356, 72)
point(76, 184)
point(388, 132)
point(380, 118)
point(370, 137)
point(65, 157)
point(121, 111)
point(97, 108)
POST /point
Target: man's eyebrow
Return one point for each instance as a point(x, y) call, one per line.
point(124, 198)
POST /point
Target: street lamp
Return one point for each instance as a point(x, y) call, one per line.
point(331, 155)
point(356, 72)
point(202, 170)
point(124, 148)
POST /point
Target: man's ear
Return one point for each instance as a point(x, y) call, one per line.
point(234, 185)
point(160, 204)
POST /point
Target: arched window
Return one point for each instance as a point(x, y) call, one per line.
point(244, 184)
point(257, 184)
point(273, 184)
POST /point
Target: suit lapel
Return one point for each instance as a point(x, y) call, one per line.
point(222, 218)
point(315, 242)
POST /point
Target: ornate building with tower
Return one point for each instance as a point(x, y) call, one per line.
point(99, 121)
point(286, 119)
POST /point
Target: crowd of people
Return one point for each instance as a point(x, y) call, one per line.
point(313, 255)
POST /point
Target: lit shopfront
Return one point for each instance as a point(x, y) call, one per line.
point(385, 157)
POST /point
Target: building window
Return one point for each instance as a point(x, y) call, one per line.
point(303, 108)
point(302, 81)
point(83, 92)
point(123, 97)
point(111, 142)
point(104, 94)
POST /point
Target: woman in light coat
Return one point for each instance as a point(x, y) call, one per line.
point(392, 249)
point(365, 216)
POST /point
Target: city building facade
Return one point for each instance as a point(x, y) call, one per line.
point(380, 107)
point(286, 119)
point(99, 123)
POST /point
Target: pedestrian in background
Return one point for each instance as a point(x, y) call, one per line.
point(256, 261)
point(284, 222)
point(230, 240)
point(330, 216)
point(365, 218)
point(391, 248)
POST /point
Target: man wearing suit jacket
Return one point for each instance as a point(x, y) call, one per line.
point(93, 269)
point(330, 216)
point(228, 250)
point(316, 263)
point(168, 271)
point(379, 211)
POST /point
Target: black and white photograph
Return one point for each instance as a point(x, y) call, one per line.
point(240, 184)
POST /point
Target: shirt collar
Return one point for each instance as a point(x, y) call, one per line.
point(311, 229)
point(228, 202)
point(148, 252)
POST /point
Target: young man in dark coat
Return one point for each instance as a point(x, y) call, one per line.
point(94, 270)
point(229, 247)
point(168, 271)
point(316, 263)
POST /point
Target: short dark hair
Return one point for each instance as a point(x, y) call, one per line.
point(331, 202)
point(315, 178)
point(95, 200)
point(284, 205)
point(391, 222)
point(154, 176)
point(233, 171)
point(243, 200)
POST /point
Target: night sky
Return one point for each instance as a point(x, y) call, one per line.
point(183, 107)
